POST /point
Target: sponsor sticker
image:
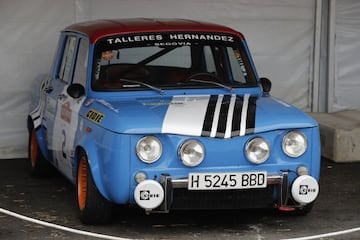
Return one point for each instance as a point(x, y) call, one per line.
point(66, 112)
point(107, 55)
point(94, 116)
point(89, 101)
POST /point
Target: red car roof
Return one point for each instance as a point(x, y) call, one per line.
point(99, 28)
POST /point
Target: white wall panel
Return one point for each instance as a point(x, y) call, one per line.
point(279, 34)
point(347, 55)
point(28, 37)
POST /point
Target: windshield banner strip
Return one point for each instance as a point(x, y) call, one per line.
point(167, 39)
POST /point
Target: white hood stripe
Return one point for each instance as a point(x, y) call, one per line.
point(220, 116)
point(185, 115)
point(230, 117)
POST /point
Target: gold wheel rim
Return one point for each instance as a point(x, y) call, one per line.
point(82, 183)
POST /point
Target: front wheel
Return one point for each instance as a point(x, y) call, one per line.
point(299, 211)
point(93, 207)
point(304, 210)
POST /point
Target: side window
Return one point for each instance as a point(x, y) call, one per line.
point(67, 58)
point(81, 62)
point(237, 65)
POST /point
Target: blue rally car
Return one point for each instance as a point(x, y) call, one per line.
point(169, 114)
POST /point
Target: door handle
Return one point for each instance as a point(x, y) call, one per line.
point(49, 89)
point(61, 96)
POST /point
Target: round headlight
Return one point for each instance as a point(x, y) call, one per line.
point(257, 150)
point(191, 153)
point(149, 149)
point(294, 144)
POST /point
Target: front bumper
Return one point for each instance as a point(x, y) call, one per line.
point(174, 194)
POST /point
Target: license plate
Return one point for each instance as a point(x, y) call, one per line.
point(226, 181)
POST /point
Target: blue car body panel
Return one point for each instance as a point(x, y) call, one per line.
point(125, 121)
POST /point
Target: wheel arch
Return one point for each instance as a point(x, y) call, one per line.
point(30, 123)
point(90, 150)
point(39, 135)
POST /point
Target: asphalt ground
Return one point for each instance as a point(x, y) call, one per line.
point(52, 200)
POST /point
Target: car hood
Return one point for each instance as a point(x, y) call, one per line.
point(221, 116)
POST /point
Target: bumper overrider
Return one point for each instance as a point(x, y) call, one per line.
point(169, 193)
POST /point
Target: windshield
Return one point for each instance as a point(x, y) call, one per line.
point(161, 61)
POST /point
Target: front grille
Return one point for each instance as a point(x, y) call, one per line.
point(222, 199)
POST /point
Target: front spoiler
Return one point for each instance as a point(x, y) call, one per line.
point(280, 182)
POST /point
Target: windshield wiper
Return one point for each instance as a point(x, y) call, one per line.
point(147, 60)
point(211, 82)
point(144, 84)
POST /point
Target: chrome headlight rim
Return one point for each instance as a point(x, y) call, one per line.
point(257, 143)
point(185, 150)
point(145, 154)
point(289, 136)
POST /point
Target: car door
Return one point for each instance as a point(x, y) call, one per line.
point(63, 126)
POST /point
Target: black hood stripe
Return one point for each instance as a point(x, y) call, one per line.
point(235, 129)
point(209, 116)
point(227, 116)
point(224, 110)
point(251, 113)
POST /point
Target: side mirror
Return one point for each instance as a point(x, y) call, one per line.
point(76, 90)
point(266, 85)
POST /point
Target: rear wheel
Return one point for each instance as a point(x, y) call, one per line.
point(38, 165)
point(93, 207)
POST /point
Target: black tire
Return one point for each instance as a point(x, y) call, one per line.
point(304, 210)
point(299, 211)
point(93, 207)
point(38, 165)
